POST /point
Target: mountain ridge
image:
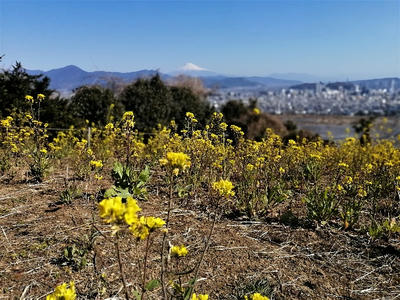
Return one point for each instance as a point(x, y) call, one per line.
point(66, 79)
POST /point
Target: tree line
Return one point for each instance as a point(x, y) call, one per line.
point(153, 102)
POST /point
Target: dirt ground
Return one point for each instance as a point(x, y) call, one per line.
point(285, 262)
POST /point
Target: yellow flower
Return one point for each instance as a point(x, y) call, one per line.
point(113, 210)
point(96, 163)
point(41, 97)
point(256, 111)
point(361, 192)
point(128, 115)
point(348, 179)
point(6, 122)
point(224, 188)
point(132, 208)
point(223, 126)
point(250, 167)
point(369, 167)
point(62, 292)
point(344, 165)
point(179, 251)
point(199, 297)
point(282, 170)
point(153, 223)
point(43, 150)
point(163, 161)
point(389, 163)
point(190, 115)
point(237, 129)
point(142, 227)
point(139, 230)
point(317, 156)
point(175, 171)
point(29, 98)
point(177, 160)
point(109, 126)
point(257, 296)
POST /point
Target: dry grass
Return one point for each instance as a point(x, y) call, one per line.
point(291, 262)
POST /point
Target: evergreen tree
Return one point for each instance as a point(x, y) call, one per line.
point(93, 103)
point(16, 84)
point(185, 100)
point(151, 102)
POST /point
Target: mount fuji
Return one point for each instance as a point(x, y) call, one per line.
point(191, 69)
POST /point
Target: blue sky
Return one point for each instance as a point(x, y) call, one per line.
point(349, 39)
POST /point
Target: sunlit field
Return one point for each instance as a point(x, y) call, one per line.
point(200, 213)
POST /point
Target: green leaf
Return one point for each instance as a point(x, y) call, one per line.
point(152, 285)
point(110, 192)
point(123, 193)
point(145, 174)
point(189, 289)
point(137, 295)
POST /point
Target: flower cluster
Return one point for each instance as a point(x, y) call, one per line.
point(256, 296)
point(177, 161)
point(62, 292)
point(96, 163)
point(142, 227)
point(199, 297)
point(224, 188)
point(115, 210)
point(179, 251)
point(118, 211)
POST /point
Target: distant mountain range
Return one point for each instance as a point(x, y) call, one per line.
point(68, 78)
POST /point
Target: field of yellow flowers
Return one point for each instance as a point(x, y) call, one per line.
point(200, 213)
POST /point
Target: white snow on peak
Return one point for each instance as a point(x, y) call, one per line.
point(192, 67)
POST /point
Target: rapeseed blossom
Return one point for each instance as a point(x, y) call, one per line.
point(178, 161)
point(142, 227)
point(223, 126)
point(139, 230)
point(190, 115)
point(179, 251)
point(113, 210)
point(199, 297)
point(29, 98)
point(6, 122)
point(256, 296)
point(250, 167)
point(224, 188)
point(62, 292)
point(96, 163)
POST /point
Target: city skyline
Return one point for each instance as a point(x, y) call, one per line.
point(336, 39)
